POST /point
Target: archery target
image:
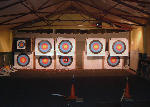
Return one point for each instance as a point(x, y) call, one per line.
point(96, 46)
point(44, 46)
point(65, 62)
point(118, 47)
point(44, 62)
point(113, 62)
point(21, 44)
point(92, 62)
point(65, 46)
point(23, 60)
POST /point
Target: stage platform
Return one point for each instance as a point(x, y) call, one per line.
point(68, 73)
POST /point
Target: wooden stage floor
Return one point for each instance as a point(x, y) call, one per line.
point(99, 88)
point(67, 73)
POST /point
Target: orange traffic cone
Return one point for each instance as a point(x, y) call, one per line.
point(127, 93)
point(72, 94)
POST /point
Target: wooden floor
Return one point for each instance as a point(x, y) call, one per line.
point(98, 88)
point(64, 73)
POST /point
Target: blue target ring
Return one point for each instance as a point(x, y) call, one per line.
point(95, 46)
point(65, 60)
point(119, 47)
point(21, 44)
point(113, 60)
point(44, 46)
point(23, 59)
point(65, 46)
point(45, 61)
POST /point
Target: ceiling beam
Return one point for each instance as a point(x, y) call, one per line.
point(138, 1)
point(110, 22)
point(9, 15)
point(10, 5)
point(100, 9)
point(31, 8)
point(36, 20)
point(31, 12)
point(46, 2)
point(131, 6)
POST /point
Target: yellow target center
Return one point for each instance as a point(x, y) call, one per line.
point(65, 46)
point(44, 60)
point(95, 46)
point(23, 60)
point(113, 60)
point(21, 44)
point(119, 47)
point(44, 46)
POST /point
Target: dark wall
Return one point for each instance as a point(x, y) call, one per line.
point(6, 58)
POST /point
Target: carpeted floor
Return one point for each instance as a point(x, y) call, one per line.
point(102, 88)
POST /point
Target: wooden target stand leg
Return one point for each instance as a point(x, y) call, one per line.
point(34, 57)
point(75, 56)
point(55, 41)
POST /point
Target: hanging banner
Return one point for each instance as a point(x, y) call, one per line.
point(95, 46)
point(23, 60)
point(113, 62)
point(65, 62)
point(65, 46)
point(22, 45)
point(44, 62)
point(118, 47)
point(44, 46)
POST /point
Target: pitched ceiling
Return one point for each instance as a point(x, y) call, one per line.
point(125, 14)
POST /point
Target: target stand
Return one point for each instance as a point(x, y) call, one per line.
point(95, 46)
point(118, 47)
point(23, 61)
point(92, 62)
point(113, 62)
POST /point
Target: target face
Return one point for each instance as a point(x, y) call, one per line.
point(44, 46)
point(21, 44)
point(113, 61)
point(65, 46)
point(119, 47)
point(95, 46)
point(23, 59)
point(45, 61)
point(65, 60)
